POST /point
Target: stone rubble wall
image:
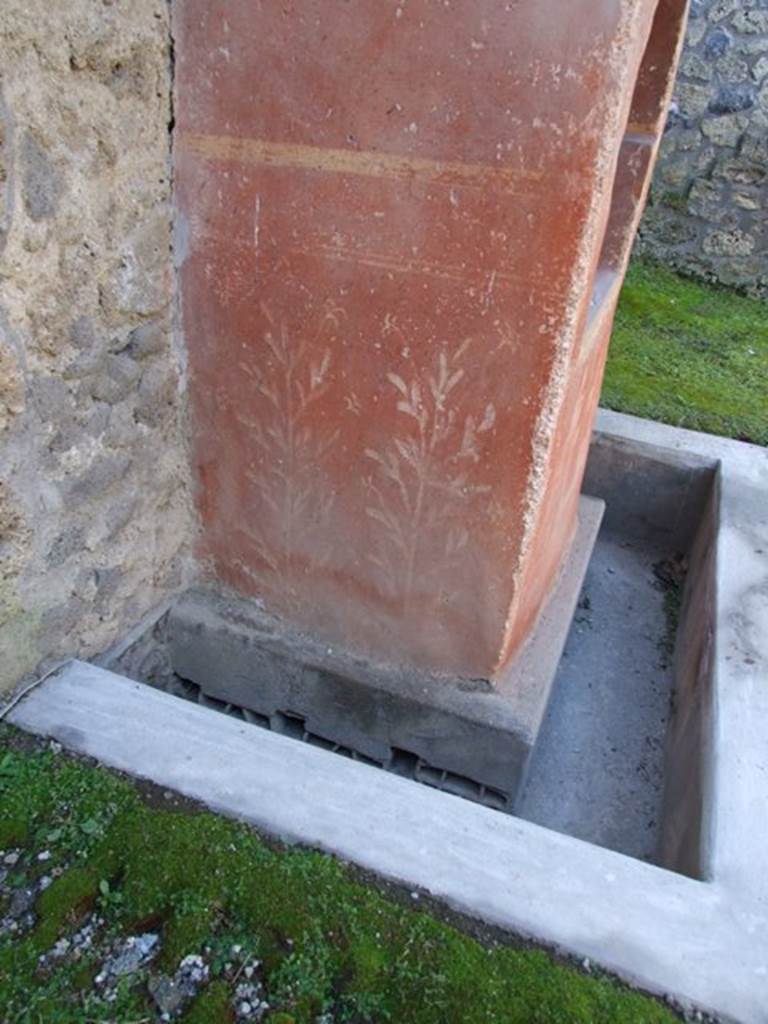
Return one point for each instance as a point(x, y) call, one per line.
point(95, 521)
point(708, 209)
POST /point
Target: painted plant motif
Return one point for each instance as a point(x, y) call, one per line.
point(421, 480)
point(295, 499)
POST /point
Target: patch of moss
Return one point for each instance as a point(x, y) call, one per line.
point(83, 976)
point(212, 1006)
point(65, 903)
point(367, 965)
point(14, 831)
point(327, 943)
point(675, 201)
point(186, 933)
point(304, 981)
point(689, 354)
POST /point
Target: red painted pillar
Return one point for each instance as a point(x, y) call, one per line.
point(400, 249)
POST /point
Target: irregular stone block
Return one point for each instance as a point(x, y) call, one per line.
point(156, 397)
point(734, 72)
point(42, 184)
point(105, 471)
point(694, 66)
point(726, 130)
point(147, 340)
point(82, 333)
point(751, 22)
point(119, 376)
point(65, 545)
point(729, 243)
point(721, 9)
point(693, 99)
point(717, 42)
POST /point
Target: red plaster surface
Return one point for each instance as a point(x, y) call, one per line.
point(388, 232)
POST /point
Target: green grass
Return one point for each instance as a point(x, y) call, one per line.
point(329, 944)
point(689, 354)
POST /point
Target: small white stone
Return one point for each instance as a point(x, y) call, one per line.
point(45, 855)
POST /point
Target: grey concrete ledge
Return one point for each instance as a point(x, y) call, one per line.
point(703, 942)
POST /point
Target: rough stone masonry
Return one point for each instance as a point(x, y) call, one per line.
point(707, 209)
point(94, 508)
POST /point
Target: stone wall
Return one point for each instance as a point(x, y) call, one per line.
point(707, 209)
point(94, 520)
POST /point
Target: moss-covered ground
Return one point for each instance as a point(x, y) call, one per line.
point(689, 354)
point(325, 945)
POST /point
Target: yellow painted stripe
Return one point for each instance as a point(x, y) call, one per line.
point(357, 162)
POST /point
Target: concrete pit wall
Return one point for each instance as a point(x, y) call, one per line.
point(94, 499)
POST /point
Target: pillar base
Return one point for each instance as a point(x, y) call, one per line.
point(461, 735)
